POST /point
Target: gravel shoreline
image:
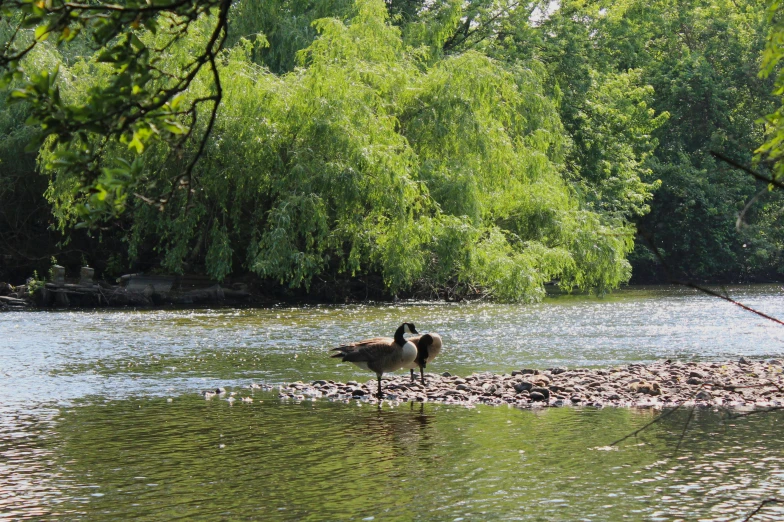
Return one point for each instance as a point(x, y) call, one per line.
point(738, 384)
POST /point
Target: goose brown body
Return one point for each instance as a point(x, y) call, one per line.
point(428, 347)
point(381, 354)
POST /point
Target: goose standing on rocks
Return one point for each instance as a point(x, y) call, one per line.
point(428, 346)
point(381, 354)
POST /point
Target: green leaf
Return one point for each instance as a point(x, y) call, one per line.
point(42, 32)
point(31, 21)
point(136, 144)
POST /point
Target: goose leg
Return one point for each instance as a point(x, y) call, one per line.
point(379, 388)
point(422, 373)
point(412, 375)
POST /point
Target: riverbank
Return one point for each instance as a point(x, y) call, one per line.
point(734, 384)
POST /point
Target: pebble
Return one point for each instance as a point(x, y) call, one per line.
point(542, 391)
point(755, 383)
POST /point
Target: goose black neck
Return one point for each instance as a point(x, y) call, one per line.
point(424, 353)
point(399, 339)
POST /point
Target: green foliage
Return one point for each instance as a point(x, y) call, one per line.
point(697, 62)
point(613, 136)
point(365, 161)
point(706, 77)
point(279, 29)
point(135, 104)
point(488, 147)
point(35, 284)
point(773, 148)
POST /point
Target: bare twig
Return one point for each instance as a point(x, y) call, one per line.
point(760, 506)
point(651, 423)
point(700, 288)
point(755, 175)
point(726, 298)
point(683, 432)
point(742, 214)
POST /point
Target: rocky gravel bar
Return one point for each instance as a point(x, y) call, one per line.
point(742, 384)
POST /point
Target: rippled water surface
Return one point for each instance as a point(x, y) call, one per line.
point(101, 419)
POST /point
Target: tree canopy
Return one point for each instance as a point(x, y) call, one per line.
point(455, 148)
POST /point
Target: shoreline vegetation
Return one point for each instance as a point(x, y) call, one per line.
point(399, 147)
point(743, 384)
point(159, 290)
point(144, 290)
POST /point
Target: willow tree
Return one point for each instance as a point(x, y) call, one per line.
point(369, 157)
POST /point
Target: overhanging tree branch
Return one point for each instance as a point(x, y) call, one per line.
point(139, 103)
point(754, 174)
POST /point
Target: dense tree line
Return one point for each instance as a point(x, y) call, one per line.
point(449, 148)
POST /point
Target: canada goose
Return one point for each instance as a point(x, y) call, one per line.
point(428, 346)
point(381, 354)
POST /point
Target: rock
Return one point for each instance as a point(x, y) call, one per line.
point(541, 380)
point(58, 275)
point(733, 386)
point(556, 371)
point(489, 387)
point(649, 388)
point(12, 301)
point(220, 391)
point(744, 360)
point(544, 391)
point(446, 374)
point(536, 396)
point(528, 371)
point(352, 383)
point(775, 362)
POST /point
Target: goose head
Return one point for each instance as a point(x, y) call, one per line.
point(423, 352)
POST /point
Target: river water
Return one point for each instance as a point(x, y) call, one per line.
point(101, 416)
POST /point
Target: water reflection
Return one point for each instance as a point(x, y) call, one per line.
point(196, 459)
